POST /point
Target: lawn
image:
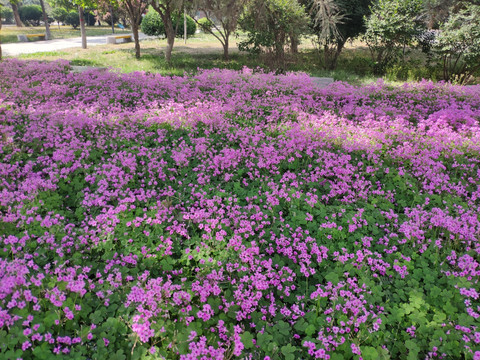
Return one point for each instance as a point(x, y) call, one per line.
point(203, 51)
point(8, 34)
point(236, 214)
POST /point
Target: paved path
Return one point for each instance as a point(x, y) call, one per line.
point(54, 45)
point(322, 82)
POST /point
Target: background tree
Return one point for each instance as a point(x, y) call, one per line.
point(152, 25)
point(82, 4)
point(72, 19)
point(66, 4)
point(458, 45)
point(270, 25)
point(30, 14)
point(59, 15)
point(134, 10)
point(6, 14)
point(48, 35)
point(334, 22)
point(167, 9)
point(16, 15)
point(223, 16)
point(391, 28)
point(436, 12)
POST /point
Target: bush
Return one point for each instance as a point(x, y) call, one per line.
point(458, 45)
point(89, 18)
point(270, 26)
point(59, 15)
point(392, 27)
point(152, 24)
point(191, 26)
point(30, 14)
point(205, 24)
point(72, 19)
point(6, 14)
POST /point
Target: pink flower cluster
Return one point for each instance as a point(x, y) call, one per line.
point(225, 203)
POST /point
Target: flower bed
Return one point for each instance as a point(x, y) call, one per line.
point(236, 214)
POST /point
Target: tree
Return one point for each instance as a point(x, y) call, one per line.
point(82, 4)
point(270, 26)
point(59, 15)
point(152, 25)
point(72, 19)
point(16, 15)
point(66, 4)
point(458, 44)
point(436, 12)
point(392, 26)
point(167, 9)
point(45, 20)
point(334, 22)
point(226, 13)
point(6, 14)
point(135, 9)
point(30, 14)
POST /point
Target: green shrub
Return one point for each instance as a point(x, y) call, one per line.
point(72, 19)
point(270, 25)
point(205, 24)
point(191, 26)
point(89, 18)
point(458, 45)
point(30, 14)
point(393, 26)
point(152, 24)
point(59, 14)
point(6, 14)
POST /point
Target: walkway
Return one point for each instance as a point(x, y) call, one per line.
point(54, 45)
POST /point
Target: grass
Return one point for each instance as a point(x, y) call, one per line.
point(204, 51)
point(8, 34)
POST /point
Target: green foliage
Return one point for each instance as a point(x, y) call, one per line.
point(392, 26)
point(30, 14)
point(89, 18)
point(6, 14)
point(334, 22)
point(459, 45)
point(152, 24)
point(205, 24)
point(66, 4)
point(270, 25)
point(72, 19)
point(108, 18)
point(59, 14)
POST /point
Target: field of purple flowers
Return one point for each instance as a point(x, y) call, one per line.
point(236, 215)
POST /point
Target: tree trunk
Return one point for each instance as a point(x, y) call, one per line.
point(338, 50)
point(82, 27)
point(170, 37)
point(111, 19)
point(16, 15)
point(45, 20)
point(136, 39)
point(184, 26)
point(225, 49)
point(293, 44)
